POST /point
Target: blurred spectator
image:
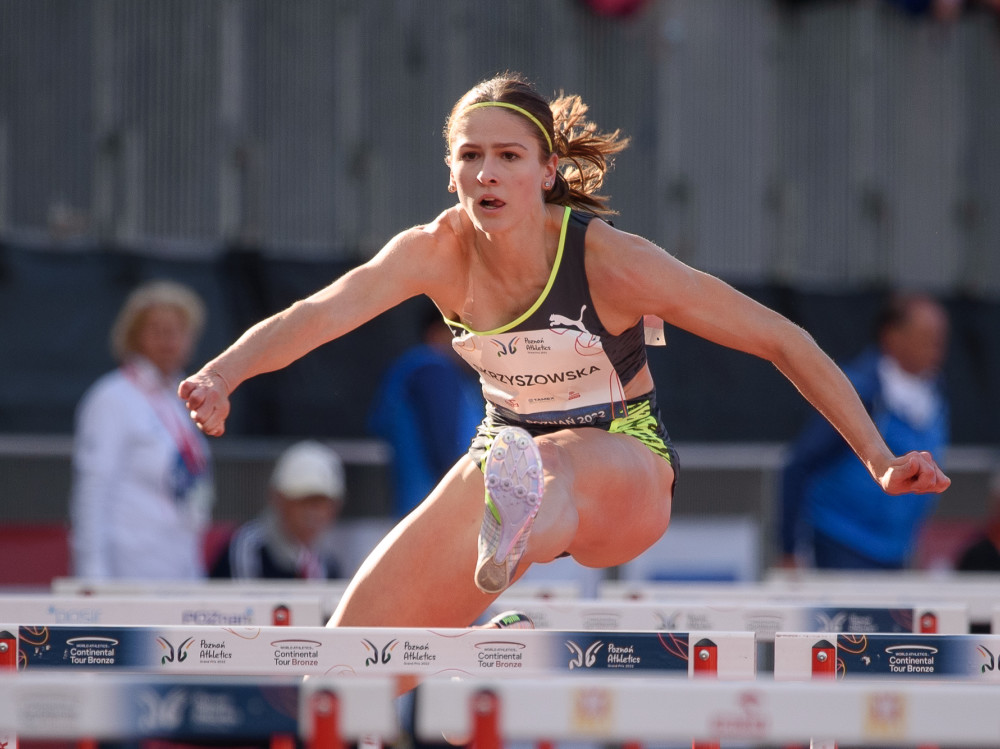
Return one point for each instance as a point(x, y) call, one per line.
point(983, 554)
point(427, 408)
point(940, 10)
point(287, 540)
point(943, 10)
point(827, 495)
point(142, 485)
point(614, 8)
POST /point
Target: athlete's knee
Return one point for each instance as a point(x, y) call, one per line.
point(553, 455)
point(558, 461)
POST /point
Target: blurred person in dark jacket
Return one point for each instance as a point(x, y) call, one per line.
point(427, 407)
point(287, 540)
point(983, 552)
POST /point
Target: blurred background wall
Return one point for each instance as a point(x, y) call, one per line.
point(814, 154)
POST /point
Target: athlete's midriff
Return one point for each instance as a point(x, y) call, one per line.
point(584, 416)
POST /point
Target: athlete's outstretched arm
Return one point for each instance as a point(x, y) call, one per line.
point(647, 280)
point(386, 280)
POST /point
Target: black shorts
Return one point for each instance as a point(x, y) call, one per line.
point(639, 418)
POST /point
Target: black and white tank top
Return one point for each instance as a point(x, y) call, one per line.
point(556, 363)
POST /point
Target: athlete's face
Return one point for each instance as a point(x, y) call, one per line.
point(497, 167)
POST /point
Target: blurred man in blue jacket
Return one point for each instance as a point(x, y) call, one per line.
point(427, 408)
point(828, 500)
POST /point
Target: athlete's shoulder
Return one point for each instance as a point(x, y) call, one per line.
point(436, 241)
point(625, 272)
point(428, 258)
point(608, 245)
point(602, 229)
point(445, 229)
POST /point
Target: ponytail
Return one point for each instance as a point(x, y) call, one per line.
point(585, 156)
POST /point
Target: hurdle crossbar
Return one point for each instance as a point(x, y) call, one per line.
point(763, 617)
point(976, 594)
point(327, 592)
point(231, 610)
point(765, 712)
point(64, 705)
point(422, 653)
point(965, 657)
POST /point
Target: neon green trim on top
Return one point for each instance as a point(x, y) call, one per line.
point(541, 298)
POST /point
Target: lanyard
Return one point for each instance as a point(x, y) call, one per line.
point(180, 429)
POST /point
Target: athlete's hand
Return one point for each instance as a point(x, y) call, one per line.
point(206, 395)
point(916, 473)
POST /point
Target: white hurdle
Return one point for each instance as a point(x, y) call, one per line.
point(228, 610)
point(978, 594)
point(806, 655)
point(386, 652)
point(323, 651)
point(657, 710)
point(92, 707)
point(764, 617)
point(590, 642)
point(977, 590)
point(890, 659)
point(327, 592)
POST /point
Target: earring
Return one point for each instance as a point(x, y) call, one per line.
point(548, 185)
point(452, 188)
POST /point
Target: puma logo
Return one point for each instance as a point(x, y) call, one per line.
point(561, 321)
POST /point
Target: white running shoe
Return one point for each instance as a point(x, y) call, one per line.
point(513, 494)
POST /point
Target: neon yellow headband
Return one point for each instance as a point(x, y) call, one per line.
point(516, 108)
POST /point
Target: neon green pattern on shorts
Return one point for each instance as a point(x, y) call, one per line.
point(641, 424)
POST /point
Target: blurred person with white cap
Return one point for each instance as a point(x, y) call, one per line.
point(307, 491)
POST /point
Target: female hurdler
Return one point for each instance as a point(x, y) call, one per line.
point(547, 302)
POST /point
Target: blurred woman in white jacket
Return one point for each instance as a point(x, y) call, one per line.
point(142, 481)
